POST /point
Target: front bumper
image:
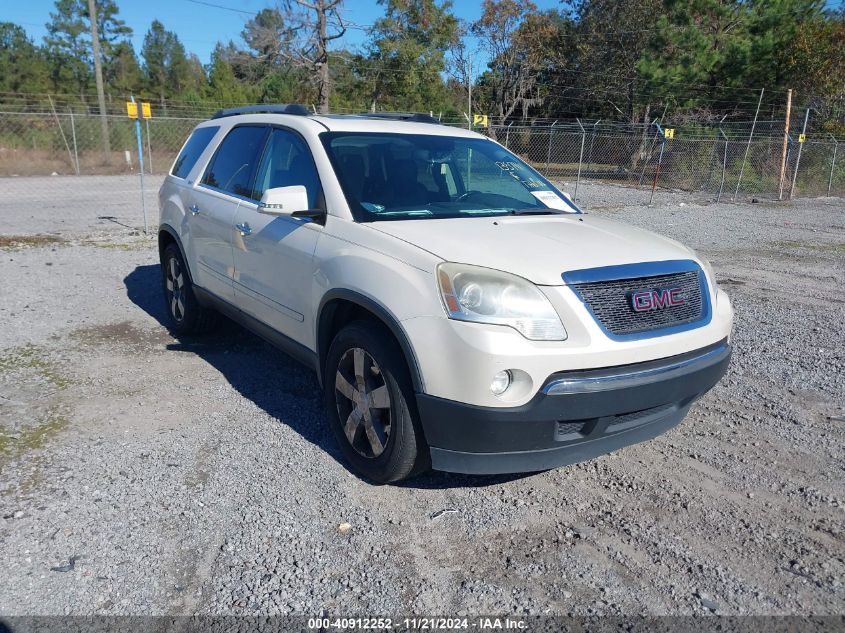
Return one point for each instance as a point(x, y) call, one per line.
point(576, 416)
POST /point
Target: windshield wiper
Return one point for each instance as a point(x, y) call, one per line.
point(535, 211)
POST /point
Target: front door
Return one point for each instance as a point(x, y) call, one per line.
point(273, 255)
point(227, 180)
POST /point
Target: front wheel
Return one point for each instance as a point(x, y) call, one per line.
point(370, 406)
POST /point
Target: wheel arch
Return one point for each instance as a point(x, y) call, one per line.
point(339, 307)
point(167, 235)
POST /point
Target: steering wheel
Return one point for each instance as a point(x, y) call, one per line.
point(467, 194)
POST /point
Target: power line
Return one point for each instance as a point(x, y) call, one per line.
point(220, 6)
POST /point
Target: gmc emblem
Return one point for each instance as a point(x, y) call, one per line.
point(657, 299)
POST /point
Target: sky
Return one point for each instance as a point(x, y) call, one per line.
point(200, 26)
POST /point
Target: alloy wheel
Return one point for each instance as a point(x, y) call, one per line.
point(363, 402)
point(175, 283)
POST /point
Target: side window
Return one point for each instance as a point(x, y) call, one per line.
point(193, 149)
point(287, 161)
point(233, 167)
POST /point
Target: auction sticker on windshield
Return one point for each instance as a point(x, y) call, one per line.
point(552, 200)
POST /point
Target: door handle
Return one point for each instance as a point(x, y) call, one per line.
point(194, 209)
point(244, 228)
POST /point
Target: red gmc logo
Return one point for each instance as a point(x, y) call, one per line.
point(657, 299)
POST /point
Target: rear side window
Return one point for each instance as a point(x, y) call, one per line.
point(233, 167)
point(188, 157)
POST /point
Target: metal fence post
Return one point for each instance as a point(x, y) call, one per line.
point(798, 158)
point(508, 135)
point(73, 135)
point(549, 151)
point(659, 161)
point(748, 147)
point(592, 142)
point(580, 159)
point(724, 166)
point(141, 165)
point(832, 163)
point(648, 156)
point(62, 132)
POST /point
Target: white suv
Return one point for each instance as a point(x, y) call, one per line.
point(461, 312)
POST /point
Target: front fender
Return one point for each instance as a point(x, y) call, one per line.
point(392, 290)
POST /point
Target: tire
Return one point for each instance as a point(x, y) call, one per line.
point(370, 404)
point(184, 313)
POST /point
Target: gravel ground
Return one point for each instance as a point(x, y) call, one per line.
point(140, 474)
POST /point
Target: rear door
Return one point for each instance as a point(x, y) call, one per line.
point(227, 180)
point(273, 255)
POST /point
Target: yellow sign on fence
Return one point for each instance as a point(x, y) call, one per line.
point(802, 138)
point(480, 120)
point(146, 111)
point(669, 132)
point(132, 110)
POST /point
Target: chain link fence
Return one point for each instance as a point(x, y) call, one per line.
point(42, 144)
point(39, 150)
point(714, 164)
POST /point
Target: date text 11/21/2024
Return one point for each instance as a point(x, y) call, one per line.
point(418, 623)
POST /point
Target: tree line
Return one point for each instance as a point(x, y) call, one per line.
point(632, 61)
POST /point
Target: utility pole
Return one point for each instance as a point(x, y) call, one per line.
point(98, 75)
point(785, 143)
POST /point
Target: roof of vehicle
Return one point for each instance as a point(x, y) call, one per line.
point(378, 122)
point(357, 123)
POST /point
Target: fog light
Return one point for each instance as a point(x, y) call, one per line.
point(501, 382)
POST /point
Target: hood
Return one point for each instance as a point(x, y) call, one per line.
point(538, 248)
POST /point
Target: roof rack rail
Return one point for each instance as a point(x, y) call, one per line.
point(272, 108)
point(401, 116)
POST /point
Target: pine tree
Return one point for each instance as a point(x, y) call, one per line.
point(24, 65)
point(166, 66)
point(68, 43)
point(407, 54)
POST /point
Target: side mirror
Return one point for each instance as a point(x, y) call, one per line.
point(284, 200)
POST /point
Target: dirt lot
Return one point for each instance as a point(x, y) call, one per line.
point(144, 474)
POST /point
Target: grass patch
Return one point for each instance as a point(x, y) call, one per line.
point(825, 247)
point(14, 242)
point(32, 438)
point(27, 357)
point(138, 245)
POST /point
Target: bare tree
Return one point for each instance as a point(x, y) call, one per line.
point(313, 25)
point(459, 67)
point(515, 37)
point(267, 34)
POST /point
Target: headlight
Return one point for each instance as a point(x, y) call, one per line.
point(711, 277)
point(484, 295)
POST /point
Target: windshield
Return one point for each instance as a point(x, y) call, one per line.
point(417, 176)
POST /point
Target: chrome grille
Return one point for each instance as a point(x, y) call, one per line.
point(610, 302)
